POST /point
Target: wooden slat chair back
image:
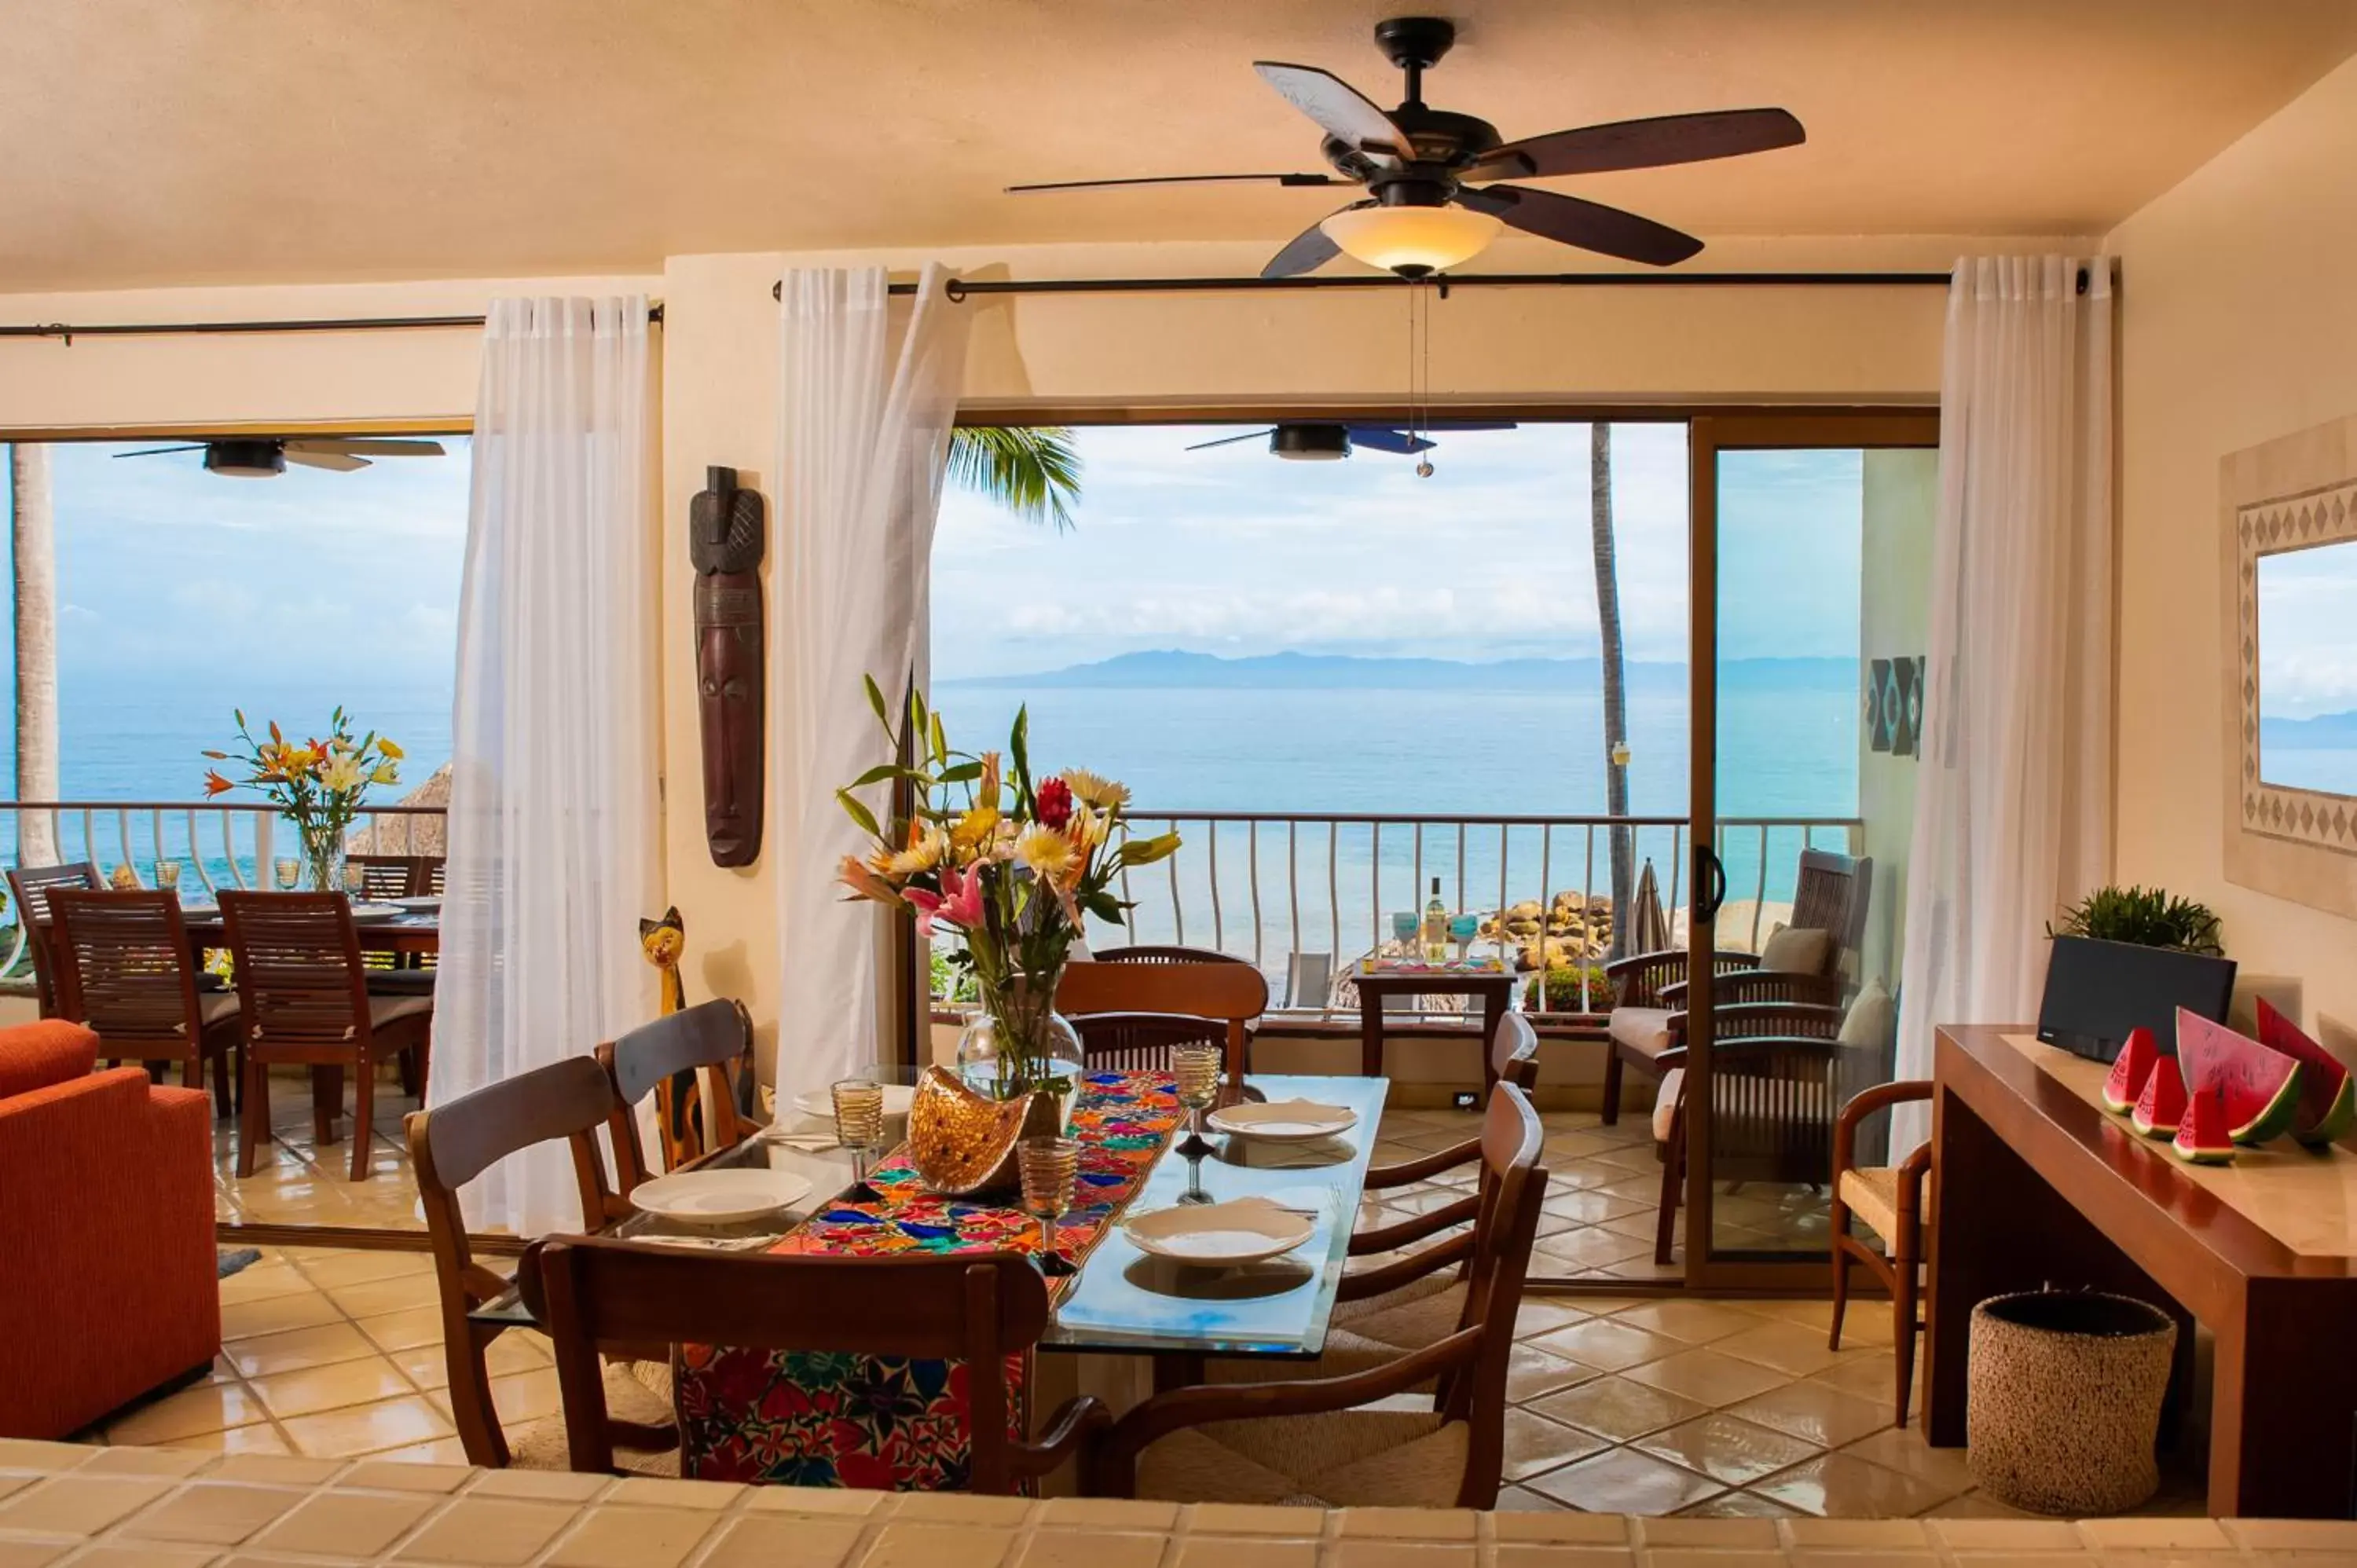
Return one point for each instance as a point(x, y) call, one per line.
point(1163, 953)
point(126, 970)
point(395, 876)
point(979, 1309)
point(697, 1045)
point(29, 887)
point(303, 998)
point(1832, 894)
point(1233, 993)
point(1467, 1370)
point(451, 1145)
point(1513, 1059)
point(1141, 1042)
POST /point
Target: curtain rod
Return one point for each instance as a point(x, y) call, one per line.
point(961, 288)
point(66, 333)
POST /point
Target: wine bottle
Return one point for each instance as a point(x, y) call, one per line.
point(1435, 927)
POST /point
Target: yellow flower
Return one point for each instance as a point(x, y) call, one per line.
point(926, 848)
point(1048, 853)
point(1105, 794)
point(972, 835)
point(340, 775)
point(1088, 829)
point(390, 749)
point(986, 789)
point(386, 773)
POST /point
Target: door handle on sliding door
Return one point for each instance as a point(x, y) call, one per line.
point(1709, 882)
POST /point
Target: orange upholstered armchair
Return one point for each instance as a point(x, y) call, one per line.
point(106, 1221)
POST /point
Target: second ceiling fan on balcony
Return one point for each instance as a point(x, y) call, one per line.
point(1431, 175)
point(247, 457)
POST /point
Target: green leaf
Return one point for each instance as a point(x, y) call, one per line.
point(1032, 471)
point(1018, 749)
point(917, 728)
point(941, 741)
point(963, 773)
point(1104, 906)
point(858, 813)
point(876, 701)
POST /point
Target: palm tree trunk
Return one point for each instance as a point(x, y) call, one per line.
point(1616, 691)
point(32, 537)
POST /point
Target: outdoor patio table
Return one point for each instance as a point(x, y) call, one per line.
point(888, 1423)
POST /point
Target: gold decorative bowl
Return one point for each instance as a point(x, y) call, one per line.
point(961, 1142)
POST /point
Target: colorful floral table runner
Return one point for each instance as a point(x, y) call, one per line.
point(886, 1422)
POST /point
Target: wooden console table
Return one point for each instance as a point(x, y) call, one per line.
point(2039, 1186)
point(1495, 989)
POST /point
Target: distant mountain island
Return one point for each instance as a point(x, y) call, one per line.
point(1329, 672)
point(2325, 732)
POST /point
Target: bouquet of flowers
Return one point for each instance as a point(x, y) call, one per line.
point(320, 786)
point(1010, 864)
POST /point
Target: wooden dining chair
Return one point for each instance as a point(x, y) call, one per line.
point(1233, 993)
point(980, 1309)
point(386, 877)
point(303, 999)
point(29, 887)
point(1162, 953)
point(451, 1145)
point(1311, 1440)
point(1778, 1072)
point(1895, 1202)
point(125, 969)
point(1140, 1042)
point(699, 1052)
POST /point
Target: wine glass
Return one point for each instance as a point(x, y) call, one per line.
point(1195, 1067)
point(288, 872)
point(859, 1127)
point(355, 882)
point(1049, 1167)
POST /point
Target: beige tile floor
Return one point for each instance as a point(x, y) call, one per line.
point(301, 1183)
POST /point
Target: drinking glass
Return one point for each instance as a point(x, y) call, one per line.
point(1196, 1067)
point(288, 870)
point(355, 881)
point(1049, 1167)
point(859, 1127)
point(167, 876)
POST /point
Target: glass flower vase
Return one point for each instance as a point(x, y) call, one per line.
point(321, 845)
point(1013, 1046)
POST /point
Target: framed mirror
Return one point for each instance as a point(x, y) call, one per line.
point(2289, 516)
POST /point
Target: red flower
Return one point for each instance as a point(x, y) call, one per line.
point(1055, 803)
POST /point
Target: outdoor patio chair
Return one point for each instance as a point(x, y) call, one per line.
point(983, 1310)
point(395, 876)
point(1308, 980)
point(29, 888)
point(125, 971)
point(1140, 1042)
point(1165, 953)
point(1778, 1072)
point(1227, 990)
point(303, 1000)
point(1309, 1441)
point(1801, 964)
point(449, 1146)
point(695, 1051)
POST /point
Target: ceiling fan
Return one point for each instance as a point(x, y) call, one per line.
point(1321, 442)
point(267, 458)
point(1431, 175)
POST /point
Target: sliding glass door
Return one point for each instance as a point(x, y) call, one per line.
point(1810, 559)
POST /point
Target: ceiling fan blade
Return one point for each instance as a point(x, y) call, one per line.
point(1231, 440)
point(1308, 250)
point(1346, 112)
point(1642, 144)
point(335, 460)
point(160, 451)
point(1285, 180)
point(1384, 438)
point(367, 446)
point(1590, 225)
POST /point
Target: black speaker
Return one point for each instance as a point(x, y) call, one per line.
point(2096, 992)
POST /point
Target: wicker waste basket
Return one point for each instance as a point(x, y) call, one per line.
point(2063, 1403)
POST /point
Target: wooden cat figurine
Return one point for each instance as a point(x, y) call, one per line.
point(678, 1100)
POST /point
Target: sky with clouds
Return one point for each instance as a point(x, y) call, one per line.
point(2308, 637)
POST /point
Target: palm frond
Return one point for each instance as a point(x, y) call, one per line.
point(1033, 471)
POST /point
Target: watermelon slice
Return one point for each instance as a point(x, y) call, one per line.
point(2327, 1097)
point(2201, 1137)
point(2259, 1087)
point(2161, 1105)
point(2129, 1070)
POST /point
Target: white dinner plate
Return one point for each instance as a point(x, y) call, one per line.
point(722, 1197)
point(1221, 1235)
point(364, 913)
point(422, 904)
point(820, 1102)
point(1284, 1120)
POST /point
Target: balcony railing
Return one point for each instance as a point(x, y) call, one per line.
point(1299, 894)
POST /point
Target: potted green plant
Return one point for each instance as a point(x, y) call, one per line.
point(2144, 917)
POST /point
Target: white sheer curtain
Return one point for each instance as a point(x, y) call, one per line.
point(555, 841)
point(2013, 807)
point(863, 437)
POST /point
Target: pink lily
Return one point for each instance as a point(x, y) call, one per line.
point(958, 903)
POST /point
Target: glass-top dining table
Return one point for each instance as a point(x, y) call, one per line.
point(1124, 1300)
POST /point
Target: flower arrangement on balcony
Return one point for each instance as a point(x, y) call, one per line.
point(1009, 865)
point(318, 786)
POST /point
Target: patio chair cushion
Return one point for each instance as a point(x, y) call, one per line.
point(542, 1445)
point(1645, 1030)
point(1665, 1102)
point(1364, 1335)
point(213, 1007)
point(384, 1010)
point(1350, 1458)
point(1797, 950)
point(401, 981)
point(1872, 1017)
point(1872, 1193)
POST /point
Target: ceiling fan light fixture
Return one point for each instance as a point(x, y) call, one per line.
point(245, 459)
point(1310, 443)
point(1413, 241)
